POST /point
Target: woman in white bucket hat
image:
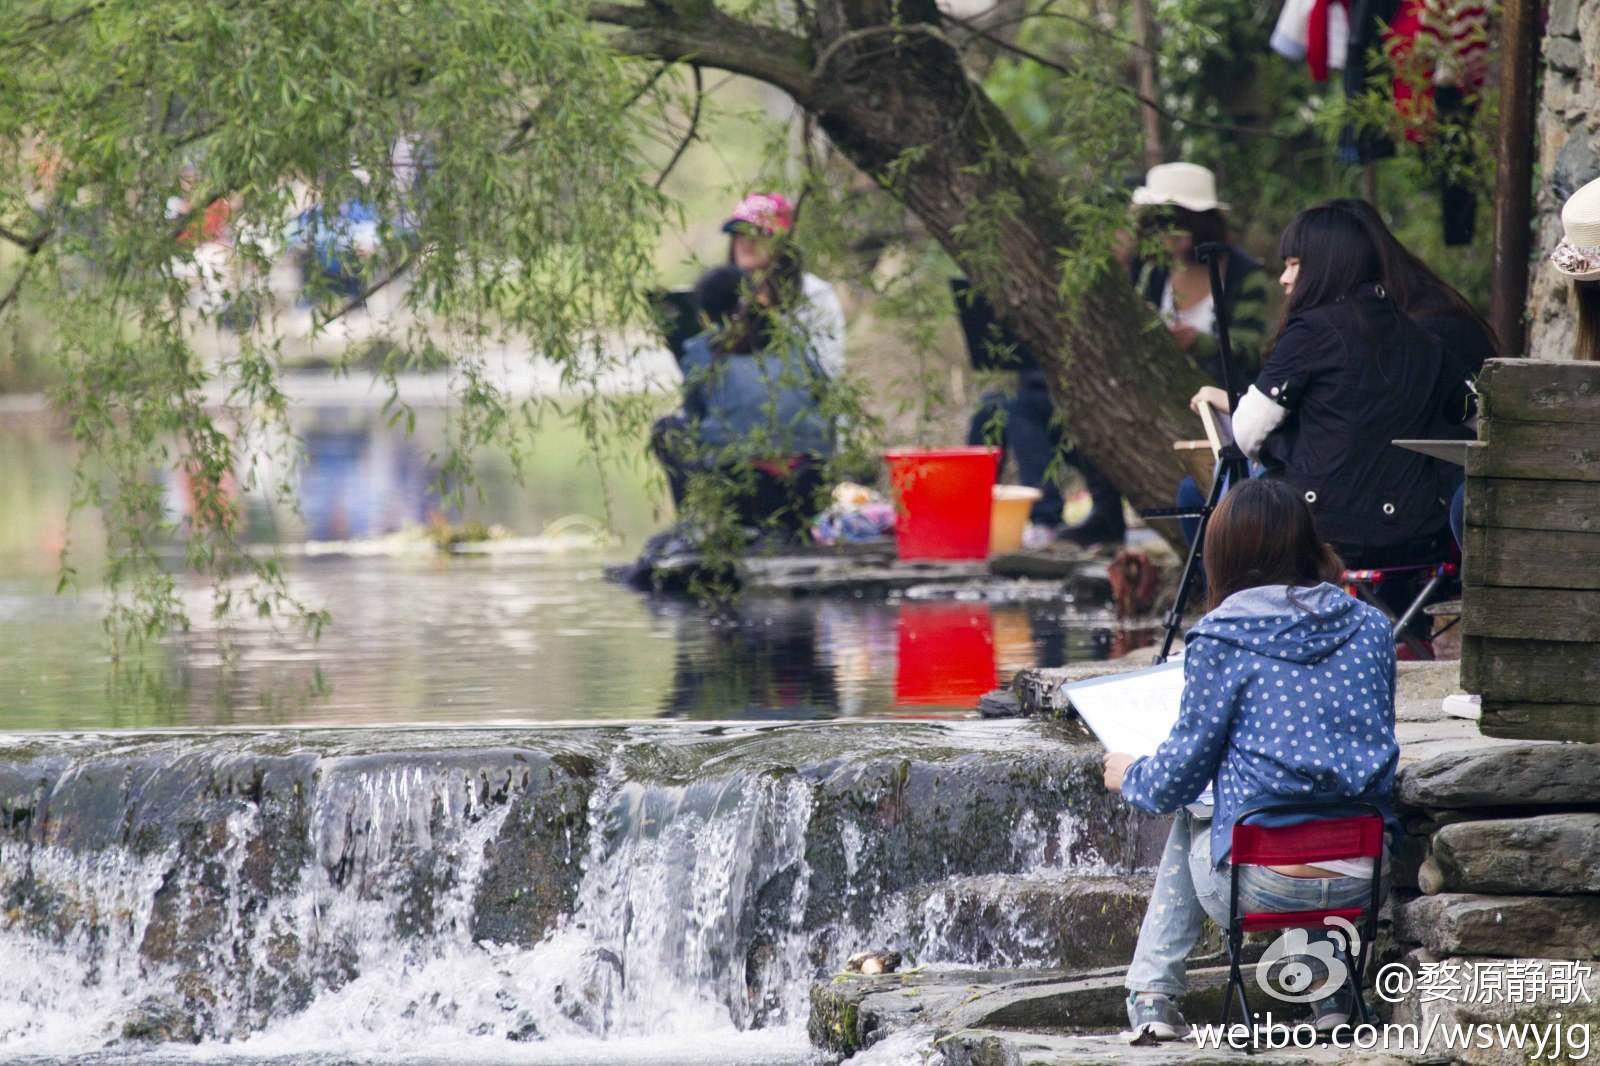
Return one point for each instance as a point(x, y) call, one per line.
point(1179, 204)
point(1578, 257)
point(1180, 207)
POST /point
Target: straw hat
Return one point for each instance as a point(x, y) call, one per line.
point(1578, 254)
point(1187, 185)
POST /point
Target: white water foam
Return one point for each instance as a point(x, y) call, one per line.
point(688, 942)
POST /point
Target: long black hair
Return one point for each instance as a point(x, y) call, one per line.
point(1336, 252)
point(1343, 244)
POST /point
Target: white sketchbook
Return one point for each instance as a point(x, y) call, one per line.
point(1134, 712)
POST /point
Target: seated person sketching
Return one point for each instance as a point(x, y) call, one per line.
point(1289, 689)
point(1361, 361)
point(751, 415)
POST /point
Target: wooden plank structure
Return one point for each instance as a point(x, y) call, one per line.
point(1531, 606)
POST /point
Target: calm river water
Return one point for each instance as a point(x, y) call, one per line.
point(531, 633)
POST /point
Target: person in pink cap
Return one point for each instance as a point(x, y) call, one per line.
point(754, 229)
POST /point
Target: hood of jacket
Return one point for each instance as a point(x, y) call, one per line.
point(1285, 622)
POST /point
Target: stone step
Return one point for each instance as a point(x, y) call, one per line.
point(1566, 927)
point(850, 1013)
point(1548, 854)
point(1052, 919)
point(1522, 775)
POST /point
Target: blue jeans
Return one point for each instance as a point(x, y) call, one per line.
point(1191, 498)
point(1189, 887)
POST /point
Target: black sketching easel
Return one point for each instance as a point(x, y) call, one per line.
point(1231, 468)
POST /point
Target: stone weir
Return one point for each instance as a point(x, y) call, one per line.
point(521, 884)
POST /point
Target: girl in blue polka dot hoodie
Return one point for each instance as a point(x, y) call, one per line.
point(1289, 687)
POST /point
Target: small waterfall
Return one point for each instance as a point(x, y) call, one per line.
point(82, 969)
point(616, 885)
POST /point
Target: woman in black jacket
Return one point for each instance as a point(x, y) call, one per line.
point(1374, 348)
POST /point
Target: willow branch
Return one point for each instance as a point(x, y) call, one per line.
point(1048, 12)
point(15, 288)
point(693, 131)
point(367, 293)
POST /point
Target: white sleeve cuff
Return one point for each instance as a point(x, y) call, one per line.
point(1255, 418)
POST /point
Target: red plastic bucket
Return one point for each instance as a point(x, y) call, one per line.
point(943, 499)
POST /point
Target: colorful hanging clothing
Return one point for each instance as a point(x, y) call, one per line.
point(1317, 31)
point(1432, 44)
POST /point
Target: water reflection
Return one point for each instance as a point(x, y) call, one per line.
point(945, 654)
point(424, 637)
point(360, 483)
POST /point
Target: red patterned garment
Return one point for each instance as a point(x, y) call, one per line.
point(1433, 44)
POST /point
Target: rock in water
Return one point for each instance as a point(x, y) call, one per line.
point(873, 962)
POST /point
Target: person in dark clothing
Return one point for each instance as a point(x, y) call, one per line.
point(751, 417)
point(1023, 422)
point(1024, 425)
point(1358, 363)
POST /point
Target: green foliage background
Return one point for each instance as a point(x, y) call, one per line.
point(558, 192)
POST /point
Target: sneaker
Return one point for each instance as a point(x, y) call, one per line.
point(1155, 1014)
point(1330, 1012)
point(1462, 705)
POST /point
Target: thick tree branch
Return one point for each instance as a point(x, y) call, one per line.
point(705, 37)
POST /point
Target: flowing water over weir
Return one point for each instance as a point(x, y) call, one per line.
point(431, 892)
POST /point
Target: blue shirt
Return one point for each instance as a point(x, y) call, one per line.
point(1288, 698)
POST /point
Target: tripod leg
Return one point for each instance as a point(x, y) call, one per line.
point(1191, 565)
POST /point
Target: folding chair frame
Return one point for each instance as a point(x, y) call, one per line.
point(1369, 928)
point(1366, 582)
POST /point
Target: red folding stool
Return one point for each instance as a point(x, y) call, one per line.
point(1306, 844)
point(1364, 584)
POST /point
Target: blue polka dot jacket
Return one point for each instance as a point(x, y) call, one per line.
point(1288, 698)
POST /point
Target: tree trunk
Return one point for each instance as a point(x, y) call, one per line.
point(891, 93)
point(1146, 56)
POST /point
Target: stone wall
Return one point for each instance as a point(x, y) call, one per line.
point(1499, 874)
point(1569, 156)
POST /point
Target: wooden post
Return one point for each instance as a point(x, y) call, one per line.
point(1531, 603)
point(1145, 54)
point(1513, 186)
